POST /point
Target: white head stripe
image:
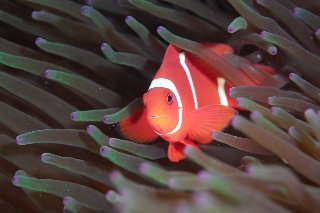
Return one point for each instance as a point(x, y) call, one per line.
point(179, 122)
point(182, 58)
point(166, 83)
point(178, 125)
point(221, 91)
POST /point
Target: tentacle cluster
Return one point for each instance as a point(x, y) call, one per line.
point(70, 70)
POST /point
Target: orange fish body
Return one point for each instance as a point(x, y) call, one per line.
point(185, 102)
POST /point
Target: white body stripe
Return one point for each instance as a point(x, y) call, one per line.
point(221, 91)
point(182, 58)
point(166, 83)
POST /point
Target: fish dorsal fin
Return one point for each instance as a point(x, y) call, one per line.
point(208, 118)
point(219, 48)
point(175, 149)
point(137, 128)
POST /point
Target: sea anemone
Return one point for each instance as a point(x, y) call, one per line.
point(71, 70)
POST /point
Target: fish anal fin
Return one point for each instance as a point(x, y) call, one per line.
point(137, 128)
point(208, 118)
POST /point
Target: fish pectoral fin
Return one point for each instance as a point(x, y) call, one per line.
point(137, 128)
point(208, 118)
point(175, 149)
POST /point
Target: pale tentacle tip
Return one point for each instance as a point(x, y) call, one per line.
point(40, 41)
point(84, 10)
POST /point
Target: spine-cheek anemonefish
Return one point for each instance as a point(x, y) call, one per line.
point(185, 102)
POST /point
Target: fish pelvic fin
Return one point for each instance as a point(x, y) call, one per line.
point(175, 149)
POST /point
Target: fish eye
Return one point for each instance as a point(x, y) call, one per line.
point(169, 98)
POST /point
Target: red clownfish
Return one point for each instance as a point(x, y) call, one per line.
point(185, 102)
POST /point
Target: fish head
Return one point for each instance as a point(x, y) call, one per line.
point(162, 110)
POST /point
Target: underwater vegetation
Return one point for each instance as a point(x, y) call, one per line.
point(71, 70)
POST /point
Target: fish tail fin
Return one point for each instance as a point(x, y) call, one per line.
point(266, 68)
